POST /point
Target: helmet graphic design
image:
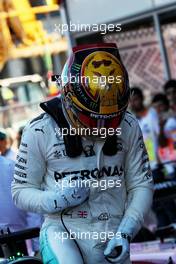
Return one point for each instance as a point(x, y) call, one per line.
point(95, 88)
point(104, 73)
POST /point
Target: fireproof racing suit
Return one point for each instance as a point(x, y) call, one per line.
point(120, 192)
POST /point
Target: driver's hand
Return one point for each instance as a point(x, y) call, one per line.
point(118, 249)
point(74, 194)
point(64, 197)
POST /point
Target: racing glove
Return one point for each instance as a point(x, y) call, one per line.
point(62, 198)
point(118, 248)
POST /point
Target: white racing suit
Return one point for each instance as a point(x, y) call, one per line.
point(42, 164)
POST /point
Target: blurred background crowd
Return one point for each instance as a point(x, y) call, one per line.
point(32, 49)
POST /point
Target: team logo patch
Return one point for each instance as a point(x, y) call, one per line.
point(103, 217)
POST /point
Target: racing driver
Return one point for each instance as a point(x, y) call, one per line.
point(60, 174)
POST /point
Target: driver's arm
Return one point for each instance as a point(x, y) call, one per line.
point(29, 171)
point(139, 183)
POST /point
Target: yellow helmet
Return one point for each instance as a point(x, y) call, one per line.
point(95, 87)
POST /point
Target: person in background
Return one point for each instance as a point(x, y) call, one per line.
point(165, 211)
point(11, 217)
point(170, 125)
point(165, 150)
point(148, 122)
point(170, 91)
point(5, 146)
point(161, 105)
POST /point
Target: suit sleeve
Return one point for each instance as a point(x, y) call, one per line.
point(139, 183)
point(30, 169)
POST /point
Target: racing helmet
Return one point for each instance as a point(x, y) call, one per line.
point(95, 88)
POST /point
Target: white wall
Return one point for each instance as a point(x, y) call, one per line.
point(163, 2)
point(99, 11)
